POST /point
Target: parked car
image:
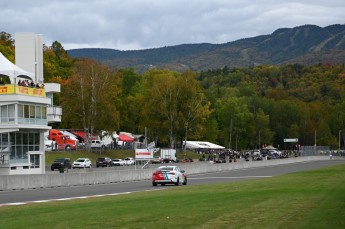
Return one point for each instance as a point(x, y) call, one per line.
point(256, 155)
point(61, 163)
point(118, 162)
point(275, 153)
point(103, 162)
point(169, 175)
point(82, 163)
point(97, 144)
point(49, 145)
point(265, 154)
point(129, 161)
point(220, 160)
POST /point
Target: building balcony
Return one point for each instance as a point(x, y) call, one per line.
point(52, 87)
point(54, 114)
point(9, 89)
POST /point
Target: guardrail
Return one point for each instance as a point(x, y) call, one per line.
point(15, 182)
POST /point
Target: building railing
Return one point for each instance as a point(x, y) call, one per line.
point(9, 89)
point(54, 114)
point(54, 110)
point(32, 121)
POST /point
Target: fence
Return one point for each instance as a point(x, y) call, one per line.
point(314, 151)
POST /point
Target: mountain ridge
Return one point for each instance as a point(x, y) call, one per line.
point(306, 44)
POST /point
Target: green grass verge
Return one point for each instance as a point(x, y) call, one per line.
point(50, 156)
point(312, 199)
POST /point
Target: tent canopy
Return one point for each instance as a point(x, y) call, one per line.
point(202, 145)
point(125, 137)
point(11, 70)
point(269, 147)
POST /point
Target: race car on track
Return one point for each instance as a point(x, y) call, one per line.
point(169, 175)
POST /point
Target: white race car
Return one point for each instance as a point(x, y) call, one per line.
point(169, 175)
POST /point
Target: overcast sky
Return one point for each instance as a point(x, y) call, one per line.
point(141, 24)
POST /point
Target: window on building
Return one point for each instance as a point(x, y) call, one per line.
point(26, 111)
point(11, 113)
point(7, 113)
point(21, 143)
point(44, 113)
point(4, 142)
point(35, 160)
point(38, 112)
point(33, 114)
point(4, 114)
point(20, 110)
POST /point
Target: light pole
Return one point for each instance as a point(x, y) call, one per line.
point(185, 140)
point(339, 139)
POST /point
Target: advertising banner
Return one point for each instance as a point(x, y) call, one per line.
point(143, 154)
point(21, 90)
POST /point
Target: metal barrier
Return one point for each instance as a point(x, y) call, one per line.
point(12, 182)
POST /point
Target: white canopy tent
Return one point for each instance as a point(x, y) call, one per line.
point(12, 71)
point(269, 147)
point(202, 145)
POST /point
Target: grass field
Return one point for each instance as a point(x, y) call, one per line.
point(312, 199)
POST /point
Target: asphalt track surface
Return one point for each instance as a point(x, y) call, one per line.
point(18, 197)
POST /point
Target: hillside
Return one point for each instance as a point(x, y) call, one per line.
point(308, 44)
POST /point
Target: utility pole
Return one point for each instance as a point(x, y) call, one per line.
point(230, 133)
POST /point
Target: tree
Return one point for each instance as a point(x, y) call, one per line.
point(56, 63)
point(233, 116)
point(58, 49)
point(6, 39)
point(89, 97)
point(174, 104)
point(7, 46)
point(193, 108)
point(264, 134)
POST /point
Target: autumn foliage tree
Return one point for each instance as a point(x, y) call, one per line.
point(171, 105)
point(90, 96)
point(239, 108)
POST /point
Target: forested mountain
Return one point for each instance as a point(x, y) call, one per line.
point(237, 107)
point(307, 45)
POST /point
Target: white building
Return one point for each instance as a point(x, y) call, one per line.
point(25, 112)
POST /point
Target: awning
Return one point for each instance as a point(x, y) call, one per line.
point(269, 147)
point(202, 145)
point(125, 138)
point(9, 69)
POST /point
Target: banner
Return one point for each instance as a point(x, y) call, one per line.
point(143, 154)
point(21, 90)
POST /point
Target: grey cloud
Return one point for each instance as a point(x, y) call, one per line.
point(138, 24)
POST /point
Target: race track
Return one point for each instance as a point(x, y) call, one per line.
point(17, 197)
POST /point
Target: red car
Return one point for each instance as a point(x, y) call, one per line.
point(169, 175)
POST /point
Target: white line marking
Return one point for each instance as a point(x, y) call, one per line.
point(228, 177)
point(78, 197)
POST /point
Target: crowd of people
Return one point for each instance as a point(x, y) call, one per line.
point(27, 83)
